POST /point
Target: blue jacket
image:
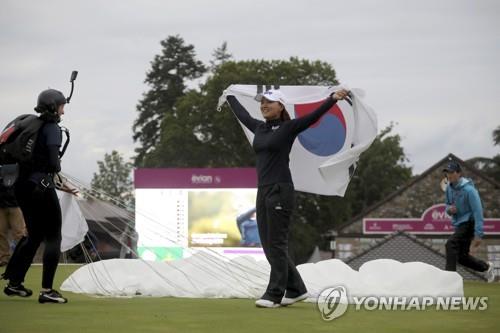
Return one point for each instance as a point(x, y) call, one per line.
point(466, 198)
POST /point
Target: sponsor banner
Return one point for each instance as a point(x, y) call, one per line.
point(433, 221)
point(195, 178)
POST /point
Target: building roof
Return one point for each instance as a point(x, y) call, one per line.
point(412, 182)
point(106, 218)
point(404, 247)
point(99, 210)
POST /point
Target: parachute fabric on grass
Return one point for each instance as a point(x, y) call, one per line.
point(204, 275)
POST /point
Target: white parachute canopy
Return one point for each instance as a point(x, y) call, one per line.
point(74, 226)
point(324, 157)
point(204, 275)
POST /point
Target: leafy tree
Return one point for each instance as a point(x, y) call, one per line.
point(490, 166)
point(170, 71)
point(220, 56)
point(114, 178)
point(381, 170)
point(200, 136)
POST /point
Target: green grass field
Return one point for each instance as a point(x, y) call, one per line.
point(89, 314)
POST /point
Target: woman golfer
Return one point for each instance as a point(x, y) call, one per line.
point(272, 143)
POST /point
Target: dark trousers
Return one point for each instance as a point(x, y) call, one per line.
point(274, 208)
point(457, 249)
point(42, 215)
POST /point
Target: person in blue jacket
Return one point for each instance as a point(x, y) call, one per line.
point(463, 204)
point(247, 225)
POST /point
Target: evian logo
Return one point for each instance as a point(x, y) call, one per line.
point(439, 215)
point(201, 179)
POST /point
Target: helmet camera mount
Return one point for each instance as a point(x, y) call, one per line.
point(72, 79)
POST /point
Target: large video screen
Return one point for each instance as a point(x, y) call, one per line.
point(181, 211)
point(222, 217)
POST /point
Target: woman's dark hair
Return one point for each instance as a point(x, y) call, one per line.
point(284, 114)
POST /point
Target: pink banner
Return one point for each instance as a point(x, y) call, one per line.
point(433, 221)
point(196, 178)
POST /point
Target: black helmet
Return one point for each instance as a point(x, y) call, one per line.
point(49, 100)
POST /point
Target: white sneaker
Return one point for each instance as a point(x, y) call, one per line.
point(289, 301)
point(490, 273)
point(265, 303)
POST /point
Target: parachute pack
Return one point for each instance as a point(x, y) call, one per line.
point(17, 142)
point(18, 139)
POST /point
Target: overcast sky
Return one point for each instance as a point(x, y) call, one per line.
point(430, 66)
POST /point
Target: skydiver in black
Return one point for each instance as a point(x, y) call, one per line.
point(36, 194)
